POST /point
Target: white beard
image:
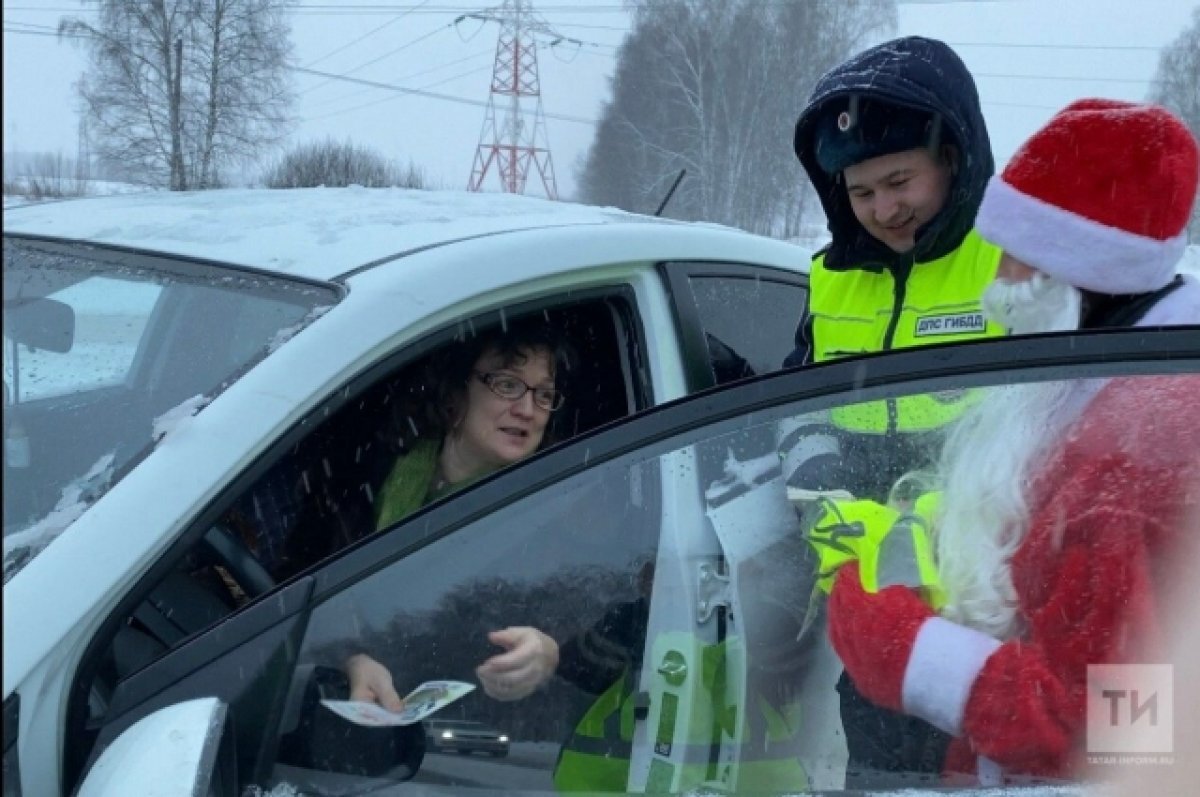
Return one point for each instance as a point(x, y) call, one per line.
point(986, 468)
point(1039, 304)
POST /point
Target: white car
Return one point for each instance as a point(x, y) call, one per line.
point(171, 361)
point(163, 304)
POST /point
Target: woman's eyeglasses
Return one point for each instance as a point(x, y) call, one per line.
point(510, 388)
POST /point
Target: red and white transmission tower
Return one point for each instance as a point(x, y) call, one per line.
point(514, 126)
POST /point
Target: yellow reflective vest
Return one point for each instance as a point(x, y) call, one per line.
point(857, 311)
point(597, 756)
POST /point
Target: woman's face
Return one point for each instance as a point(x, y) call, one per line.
point(496, 431)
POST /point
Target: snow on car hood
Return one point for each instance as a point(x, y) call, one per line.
point(313, 232)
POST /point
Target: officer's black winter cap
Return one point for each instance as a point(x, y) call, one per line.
point(849, 131)
point(919, 80)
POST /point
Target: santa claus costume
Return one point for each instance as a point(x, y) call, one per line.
point(1057, 557)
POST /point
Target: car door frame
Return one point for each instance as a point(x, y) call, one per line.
point(1115, 352)
point(689, 326)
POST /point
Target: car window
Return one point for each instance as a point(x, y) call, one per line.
point(110, 318)
point(326, 485)
point(754, 318)
point(428, 619)
point(735, 320)
point(325, 491)
point(102, 351)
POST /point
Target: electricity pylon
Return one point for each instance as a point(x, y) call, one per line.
point(514, 137)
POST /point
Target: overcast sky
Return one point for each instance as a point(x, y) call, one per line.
point(1030, 57)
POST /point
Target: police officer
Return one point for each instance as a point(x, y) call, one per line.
point(895, 144)
point(896, 147)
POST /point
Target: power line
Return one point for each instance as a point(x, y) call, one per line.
point(1066, 78)
point(995, 75)
point(1022, 105)
point(29, 24)
point(585, 26)
point(369, 33)
point(388, 54)
point(429, 94)
point(369, 9)
point(360, 92)
point(55, 34)
point(382, 100)
point(1040, 46)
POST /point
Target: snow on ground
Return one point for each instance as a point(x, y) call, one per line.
point(22, 189)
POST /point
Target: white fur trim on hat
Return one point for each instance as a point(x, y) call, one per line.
point(946, 658)
point(1075, 249)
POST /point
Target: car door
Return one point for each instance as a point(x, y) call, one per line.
point(671, 572)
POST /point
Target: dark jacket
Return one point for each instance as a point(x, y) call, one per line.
point(919, 73)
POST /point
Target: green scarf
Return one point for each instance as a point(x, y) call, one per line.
point(410, 484)
point(406, 488)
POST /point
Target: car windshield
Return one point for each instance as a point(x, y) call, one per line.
point(104, 351)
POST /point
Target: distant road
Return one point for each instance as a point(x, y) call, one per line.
point(525, 768)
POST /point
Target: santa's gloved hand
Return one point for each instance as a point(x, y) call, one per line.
point(873, 634)
point(901, 655)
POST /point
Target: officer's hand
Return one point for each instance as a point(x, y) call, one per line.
point(371, 682)
point(528, 661)
point(889, 548)
point(845, 531)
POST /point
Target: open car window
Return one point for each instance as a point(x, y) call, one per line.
point(319, 489)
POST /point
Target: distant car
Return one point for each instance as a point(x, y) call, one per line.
point(464, 736)
point(182, 370)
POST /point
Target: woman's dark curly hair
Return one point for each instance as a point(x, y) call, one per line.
point(449, 371)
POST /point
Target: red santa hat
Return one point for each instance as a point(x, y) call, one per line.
point(1099, 198)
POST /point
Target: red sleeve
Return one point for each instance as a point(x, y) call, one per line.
point(1084, 580)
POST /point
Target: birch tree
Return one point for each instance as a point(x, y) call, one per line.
point(714, 87)
point(178, 90)
point(1177, 86)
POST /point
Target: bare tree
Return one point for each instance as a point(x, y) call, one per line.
point(330, 163)
point(1177, 86)
point(179, 89)
point(715, 86)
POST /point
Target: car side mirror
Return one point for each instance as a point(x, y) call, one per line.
point(183, 749)
point(40, 323)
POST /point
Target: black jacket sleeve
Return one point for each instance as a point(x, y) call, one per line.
point(803, 353)
point(595, 659)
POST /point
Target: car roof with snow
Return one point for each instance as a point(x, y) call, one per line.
point(310, 232)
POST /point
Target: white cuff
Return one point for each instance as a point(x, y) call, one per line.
point(945, 661)
point(989, 772)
